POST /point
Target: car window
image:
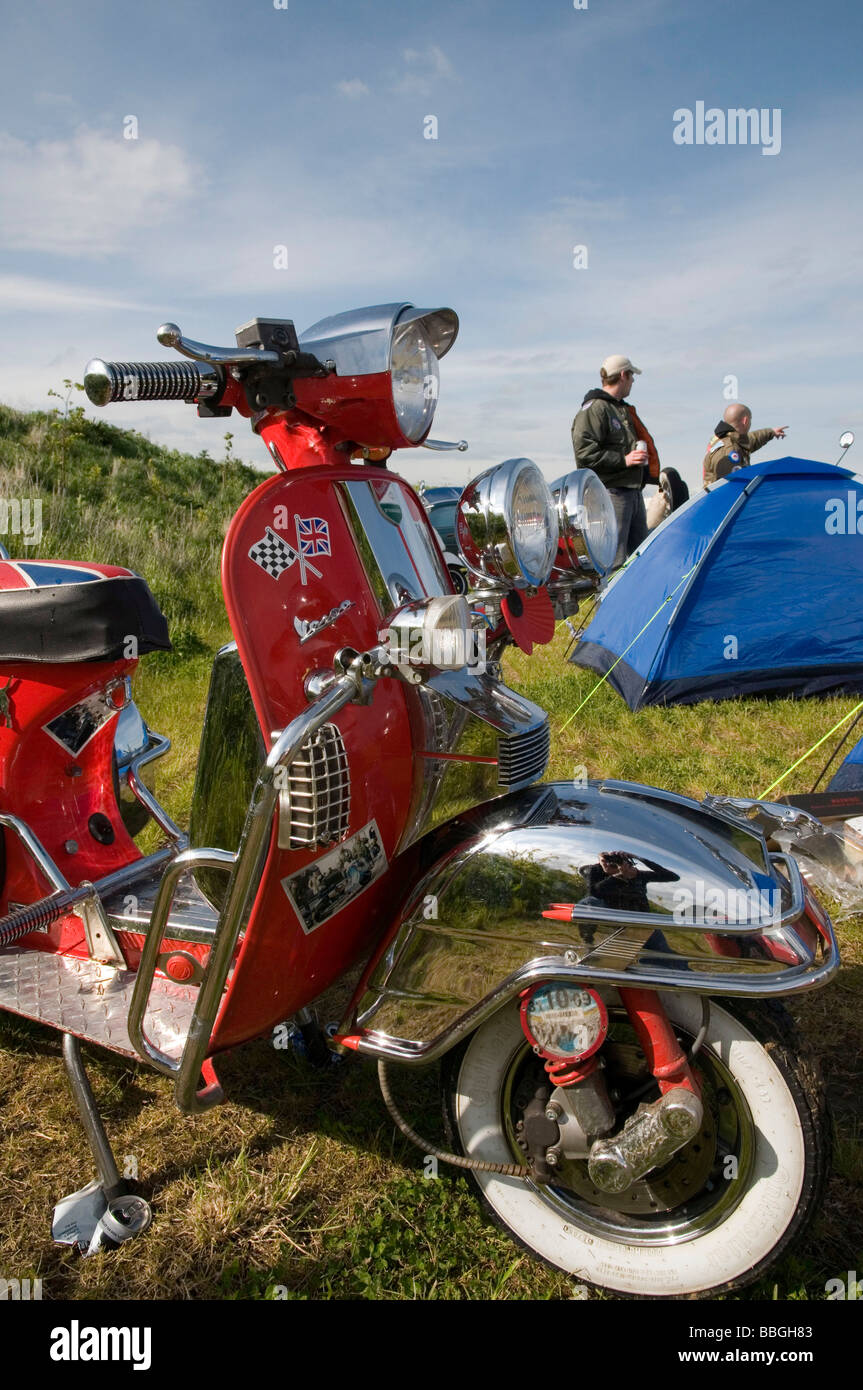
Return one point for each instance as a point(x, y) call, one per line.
point(442, 516)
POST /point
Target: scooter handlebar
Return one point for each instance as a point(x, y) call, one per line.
point(106, 382)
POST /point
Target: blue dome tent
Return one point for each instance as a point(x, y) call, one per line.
point(760, 585)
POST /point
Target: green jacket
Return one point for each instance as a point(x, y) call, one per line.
point(729, 450)
point(602, 436)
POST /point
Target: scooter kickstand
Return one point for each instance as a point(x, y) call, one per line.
point(104, 1213)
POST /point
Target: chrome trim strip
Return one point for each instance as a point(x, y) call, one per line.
point(188, 859)
point(248, 866)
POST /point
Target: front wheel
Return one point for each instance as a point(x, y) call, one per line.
point(673, 488)
point(709, 1221)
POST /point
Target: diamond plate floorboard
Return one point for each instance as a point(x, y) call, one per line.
point(92, 1000)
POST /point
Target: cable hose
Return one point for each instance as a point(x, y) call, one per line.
point(509, 1170)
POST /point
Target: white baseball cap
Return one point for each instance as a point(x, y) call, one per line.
point(612, 365)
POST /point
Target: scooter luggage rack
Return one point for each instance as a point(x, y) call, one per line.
point(157, 745)
point(246, 867)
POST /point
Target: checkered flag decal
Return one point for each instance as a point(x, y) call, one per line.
point(273, 554)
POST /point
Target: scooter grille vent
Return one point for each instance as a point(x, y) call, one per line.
point(524, 757)
point(315, 807)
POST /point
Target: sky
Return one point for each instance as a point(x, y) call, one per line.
point(152, 157)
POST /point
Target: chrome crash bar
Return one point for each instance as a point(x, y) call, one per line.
point(156, 746)
point(246, 867)
point(555, 968)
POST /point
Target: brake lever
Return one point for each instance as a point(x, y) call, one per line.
point(170, 336)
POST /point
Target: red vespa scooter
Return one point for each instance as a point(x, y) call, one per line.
point(368, 787)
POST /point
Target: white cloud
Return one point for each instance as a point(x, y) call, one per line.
point(51, 296)
point(425, 69)
point(432, 58)
point(353, 88)
point(80, 197)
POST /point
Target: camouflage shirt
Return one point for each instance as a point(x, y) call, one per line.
point(729, 450)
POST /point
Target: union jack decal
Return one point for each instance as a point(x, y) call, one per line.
point(313, 535)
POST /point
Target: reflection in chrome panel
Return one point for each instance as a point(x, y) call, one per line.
point(231, 753)
point(591, 880)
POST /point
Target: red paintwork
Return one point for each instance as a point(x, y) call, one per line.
point(58, 803)
point(354, 407)
point(131, 943)
point(280, 967)
point(665, 1057)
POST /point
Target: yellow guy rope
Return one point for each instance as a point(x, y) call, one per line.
point(842, 721)
point(626, 649)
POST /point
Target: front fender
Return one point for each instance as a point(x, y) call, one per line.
point(518, 892)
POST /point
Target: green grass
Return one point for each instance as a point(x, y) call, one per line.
point(299, 1187)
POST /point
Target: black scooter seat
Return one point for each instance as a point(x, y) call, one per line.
point(70, 610)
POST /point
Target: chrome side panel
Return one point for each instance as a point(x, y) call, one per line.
point(474, 932)
point(489, 740)
point(230, 757)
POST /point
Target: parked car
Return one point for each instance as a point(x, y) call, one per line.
point(441, 503)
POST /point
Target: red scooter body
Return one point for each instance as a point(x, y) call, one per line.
point(60, 718)
point(287, 959)
point(362, 793)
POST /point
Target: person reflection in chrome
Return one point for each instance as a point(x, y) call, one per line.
point(616, 882)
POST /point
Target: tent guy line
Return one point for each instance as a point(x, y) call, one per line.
point(604, 678)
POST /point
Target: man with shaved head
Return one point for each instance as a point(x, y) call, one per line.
point(732, 443)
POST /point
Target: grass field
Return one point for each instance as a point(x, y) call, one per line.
point(299, 1186)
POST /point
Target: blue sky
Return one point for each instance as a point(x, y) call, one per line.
point(303, 127)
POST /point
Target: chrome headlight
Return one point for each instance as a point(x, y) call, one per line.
point(588, 525)
point(507, 526)
point(383, 389)
point(415, 379)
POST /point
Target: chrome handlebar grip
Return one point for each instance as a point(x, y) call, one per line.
point(106, 382)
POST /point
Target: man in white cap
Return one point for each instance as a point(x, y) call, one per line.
point(604, 438)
